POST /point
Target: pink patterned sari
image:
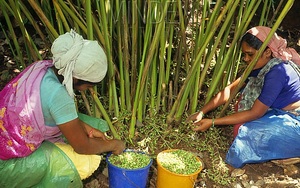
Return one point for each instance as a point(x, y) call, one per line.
point(22, 128)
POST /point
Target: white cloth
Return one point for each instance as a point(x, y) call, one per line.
point(75, 57)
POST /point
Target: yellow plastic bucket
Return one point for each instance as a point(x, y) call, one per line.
point(167, 179)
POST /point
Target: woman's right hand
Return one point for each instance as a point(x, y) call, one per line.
point(203, 125)
point(196, 117)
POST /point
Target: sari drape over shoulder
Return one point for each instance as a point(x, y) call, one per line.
point(22, 125)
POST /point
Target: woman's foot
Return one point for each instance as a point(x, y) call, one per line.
point(288, 165)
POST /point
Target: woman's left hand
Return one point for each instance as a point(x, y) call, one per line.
point(95, 133)
point(202, 125)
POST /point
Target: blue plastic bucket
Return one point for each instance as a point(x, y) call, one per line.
point(127, 178)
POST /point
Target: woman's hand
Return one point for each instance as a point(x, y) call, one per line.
point(119, 147)
point(95, 133)
point(203, 125)
point(87, 140)
point(196, 117)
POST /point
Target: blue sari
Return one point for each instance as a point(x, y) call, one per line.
point(276, 135)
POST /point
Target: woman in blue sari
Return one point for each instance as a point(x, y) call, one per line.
point(267, 121)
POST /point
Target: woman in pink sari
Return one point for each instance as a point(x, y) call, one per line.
point(38, 107)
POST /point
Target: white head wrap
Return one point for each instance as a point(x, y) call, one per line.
point(75, 57)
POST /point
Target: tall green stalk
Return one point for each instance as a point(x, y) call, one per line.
point(5, 7)
point(143, 76)
point(61, 19)
point(111, 71)
point(124, 48)
point(170, 31)
point(198, 81)
point(43, 18)
point(187, 83)
point(135, 32)
point(161, 73)
point(123, 61)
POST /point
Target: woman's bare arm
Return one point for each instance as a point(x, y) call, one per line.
point(257, 111)
point(218, 100)
point(78, 137)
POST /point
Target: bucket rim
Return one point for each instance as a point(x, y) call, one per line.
point(184, 175)
point(125, 169)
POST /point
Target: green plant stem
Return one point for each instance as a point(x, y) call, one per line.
point(43, 18)
point(12, 33)
point(105, 115)
point(143, 76)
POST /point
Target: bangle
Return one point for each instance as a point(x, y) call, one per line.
point(91, 133)
point(213, 122)
point(202, 114)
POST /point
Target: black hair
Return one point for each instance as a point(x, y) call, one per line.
point(252, 41)
point(81, 82)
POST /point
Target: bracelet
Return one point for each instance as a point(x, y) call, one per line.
point(91, 133)
point(202, 114)
point(213, 122)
